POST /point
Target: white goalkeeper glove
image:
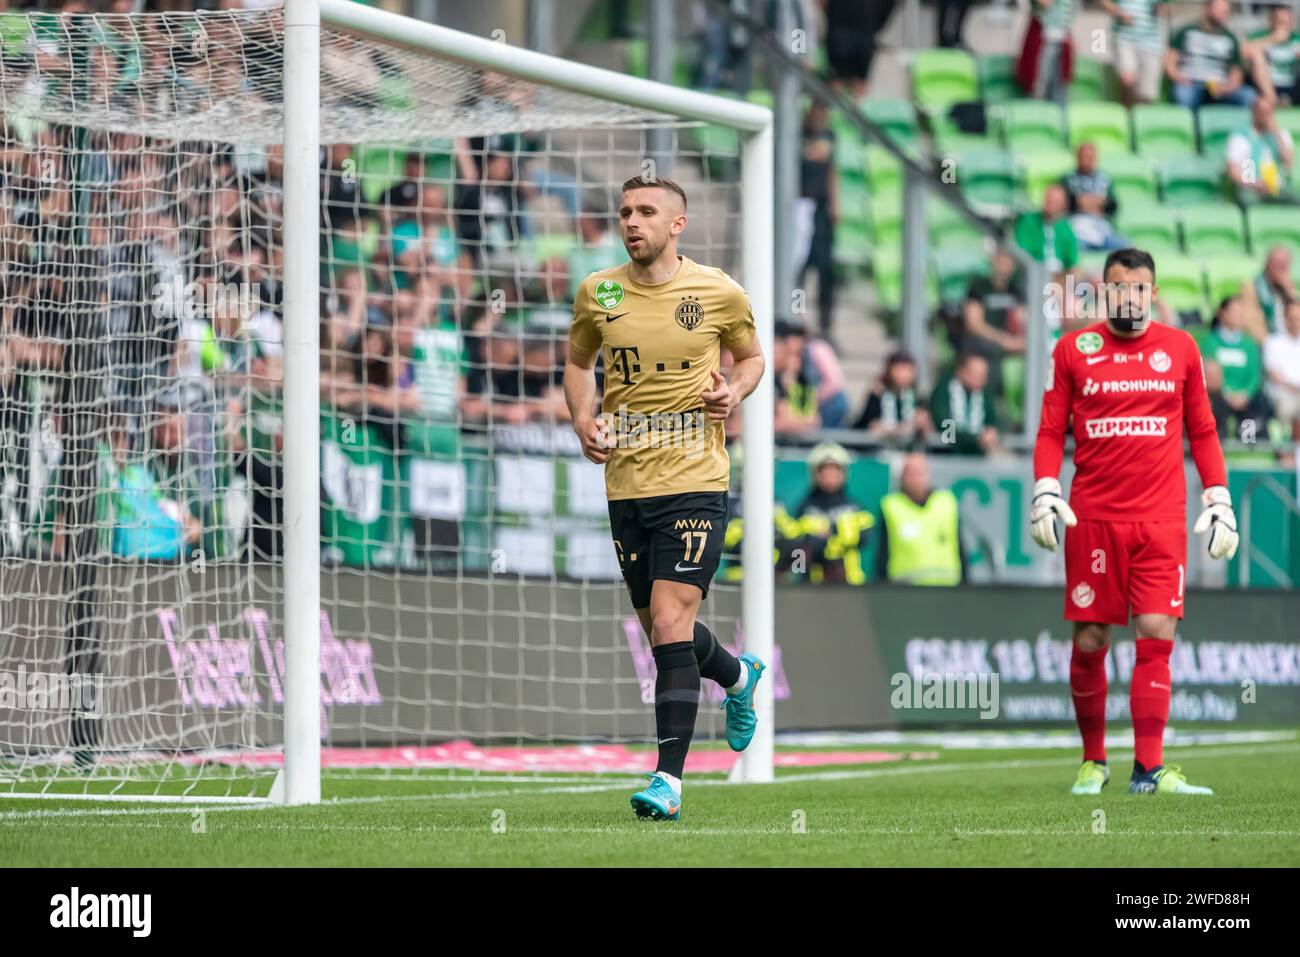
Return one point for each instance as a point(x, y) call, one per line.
point(1049, 505)
point(1219, 520)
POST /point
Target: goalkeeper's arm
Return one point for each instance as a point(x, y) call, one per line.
point(1049, 451)
point(1217, 516)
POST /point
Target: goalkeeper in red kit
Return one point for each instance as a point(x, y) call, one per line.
point(1125, 387)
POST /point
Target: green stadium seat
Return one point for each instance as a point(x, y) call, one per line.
point(945, 226)
point(1030, 125)
point(955, 265)
point(1089, 80)
point(855, 202)
point(987, 178)
point(997, 73)
point(887, 276)
point(1161, 130)
point(1134, 177)
point(1273, 226)
point(1148, 227)
point(1105, 124)
point(1225, 275)
point(954, 145)
point(887, 218)
point(1040, 169)
point(1013, 385)
point(884, 171)
point(638, 58)
point(941, 78)
point(1191, 181)
point(1216, 122)
point(850, 149)
point(852, 245)
point(1182, 283)
point(896, 117)
point(1215, 229)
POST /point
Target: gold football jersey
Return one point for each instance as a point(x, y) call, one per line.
point(659, 343)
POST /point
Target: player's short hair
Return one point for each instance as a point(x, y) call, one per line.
point(1130, 258)
point(643, 181)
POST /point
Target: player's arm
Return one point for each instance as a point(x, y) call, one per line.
point(1049, 451)
point(723, 395)
point(580, 381)
point(1217, 516)
point(740, 338)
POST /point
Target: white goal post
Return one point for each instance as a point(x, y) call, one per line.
point(267, 420)
point(754, 122)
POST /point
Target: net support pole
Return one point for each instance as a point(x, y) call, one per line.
point(301, 492)
point(759, 596)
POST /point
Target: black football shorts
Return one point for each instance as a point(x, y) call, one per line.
point(672, 537)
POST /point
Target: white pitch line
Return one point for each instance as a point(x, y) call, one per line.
point(686, 830)
point(792, 778)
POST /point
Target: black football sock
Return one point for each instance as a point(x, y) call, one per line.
point(716, 663)
point(677, 699)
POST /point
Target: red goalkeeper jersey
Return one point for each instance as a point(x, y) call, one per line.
point(1129, 400)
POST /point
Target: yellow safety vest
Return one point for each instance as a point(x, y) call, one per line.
point(923, 547)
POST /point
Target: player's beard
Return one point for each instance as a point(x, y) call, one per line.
point(645, 253)
point(1130, 323)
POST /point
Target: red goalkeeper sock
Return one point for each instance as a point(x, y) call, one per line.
point(1149, 701)
point(1088, 688)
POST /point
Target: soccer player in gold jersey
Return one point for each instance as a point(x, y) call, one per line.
point(660, 323)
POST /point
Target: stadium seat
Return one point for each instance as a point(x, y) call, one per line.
point(851, 248)
point(1148, 226)
point(887, 276)
point(997, 72)
point(896, 117)
point(1191, 180)
point(1105, 124)
point(1030, 125)
point(987, 178)
point(1161, 130)
point(1225, 275)
point(1013, 385)
point(884, 171)
point(1216, 122)
point(943, 77)
point(1273, 226)
point(1089, 80)
point(955, 265)
point(1215, 229)
point(855, 202)
point(1182, 282)
point(887, 218)
point(945, 226)
point(1134, 177)
point(1040, 169)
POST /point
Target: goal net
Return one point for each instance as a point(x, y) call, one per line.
point(471, 617)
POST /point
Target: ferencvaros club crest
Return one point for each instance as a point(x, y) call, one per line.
point(689, 313)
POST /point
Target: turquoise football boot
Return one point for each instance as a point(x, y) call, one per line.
point(741, 717)
point(658, 802)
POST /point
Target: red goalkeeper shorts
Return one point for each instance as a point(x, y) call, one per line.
point(1112, 567)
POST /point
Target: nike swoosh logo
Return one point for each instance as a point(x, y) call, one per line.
point(609, 318)
point(1093, 360)
point(666, 740)
point(688, 568)
point(1175, 604)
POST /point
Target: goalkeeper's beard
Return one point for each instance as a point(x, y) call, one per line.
point(647, 252)
point(1129, 324)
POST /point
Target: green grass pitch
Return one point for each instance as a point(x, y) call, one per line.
point(963, 808)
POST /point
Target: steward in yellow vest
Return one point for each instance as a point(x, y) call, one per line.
point(920, 541)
